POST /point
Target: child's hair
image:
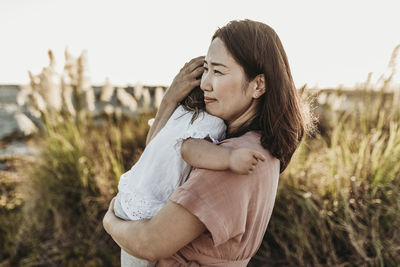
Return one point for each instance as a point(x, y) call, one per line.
point(194, 101)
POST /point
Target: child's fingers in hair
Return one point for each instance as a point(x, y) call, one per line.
point(197, 72)
point(258, 156)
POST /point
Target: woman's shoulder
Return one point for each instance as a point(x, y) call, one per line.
point(250, 140)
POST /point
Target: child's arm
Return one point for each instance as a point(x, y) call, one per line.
point(163, 114)
point(201, 153)
point(183, 83)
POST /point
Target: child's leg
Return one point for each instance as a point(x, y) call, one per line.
point(128, 260)
point(118, 211)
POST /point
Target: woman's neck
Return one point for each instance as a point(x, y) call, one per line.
point(244, 120)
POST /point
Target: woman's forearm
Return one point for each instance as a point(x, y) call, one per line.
point(159, 237)
point(203, 154)
point(163, 114)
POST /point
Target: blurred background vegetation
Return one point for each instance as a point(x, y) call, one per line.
point(338, 203)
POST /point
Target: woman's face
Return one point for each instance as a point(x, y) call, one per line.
point(226, 93)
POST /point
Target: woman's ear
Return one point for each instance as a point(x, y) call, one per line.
point(259, 86)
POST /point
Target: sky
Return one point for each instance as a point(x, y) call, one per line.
point(328, 43)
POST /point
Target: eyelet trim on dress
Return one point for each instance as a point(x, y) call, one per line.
point(136, 206)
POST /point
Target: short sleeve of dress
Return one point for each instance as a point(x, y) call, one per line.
point(204, 126)
point(220, 200)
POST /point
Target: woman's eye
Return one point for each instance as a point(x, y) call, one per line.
point(215, 71)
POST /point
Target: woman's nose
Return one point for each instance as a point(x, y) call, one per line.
point(205, 83)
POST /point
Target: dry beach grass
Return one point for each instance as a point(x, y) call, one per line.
point(338, 203)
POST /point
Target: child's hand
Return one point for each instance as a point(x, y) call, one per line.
point(243, 160)
point(185, 81)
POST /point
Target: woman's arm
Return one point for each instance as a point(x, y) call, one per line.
point(159, 237)
point(203, 154)
point(181, 86)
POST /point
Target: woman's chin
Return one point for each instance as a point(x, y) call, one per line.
point(212, 111)
point(209, 110)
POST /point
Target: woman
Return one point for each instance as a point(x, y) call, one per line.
point(218, 218)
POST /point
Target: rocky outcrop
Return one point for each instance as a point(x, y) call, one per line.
point(20, 106)
point(17, 149)
point(50, 92)
point(14, 123)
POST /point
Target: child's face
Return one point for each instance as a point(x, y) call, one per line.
point(226, 93)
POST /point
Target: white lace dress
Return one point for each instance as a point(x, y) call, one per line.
point(146, 187)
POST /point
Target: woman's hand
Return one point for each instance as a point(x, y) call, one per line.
point(109, 217)
point(185, 81)
point(243, 160)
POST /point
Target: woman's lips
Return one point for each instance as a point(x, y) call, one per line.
point(209, 100)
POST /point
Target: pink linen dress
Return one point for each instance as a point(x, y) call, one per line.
point(234, 208)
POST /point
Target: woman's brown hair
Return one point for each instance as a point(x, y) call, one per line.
point(281, 118)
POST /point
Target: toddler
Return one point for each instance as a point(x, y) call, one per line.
point(164, 166)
